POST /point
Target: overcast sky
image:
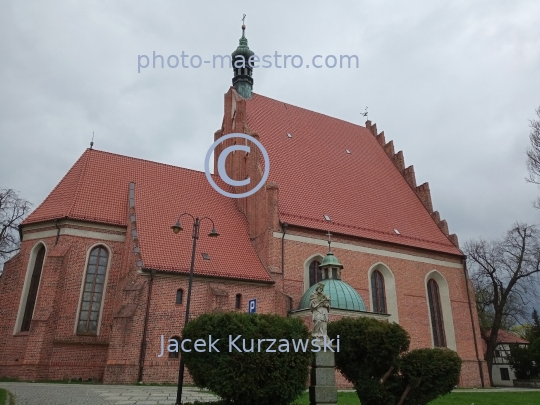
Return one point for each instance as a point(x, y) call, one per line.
point(453, 83)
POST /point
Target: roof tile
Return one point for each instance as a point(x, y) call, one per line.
point(362, 192)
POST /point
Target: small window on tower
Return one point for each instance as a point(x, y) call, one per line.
point(179, 296)
point(289, 135)
point(238, 302)
point(206, 256)
point(327, 217)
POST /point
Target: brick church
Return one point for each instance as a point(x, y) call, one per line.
point(100, 276)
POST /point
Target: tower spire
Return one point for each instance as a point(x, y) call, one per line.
point(243, 71)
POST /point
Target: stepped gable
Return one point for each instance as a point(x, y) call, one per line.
point(421, 191)
point(96, 189)
point(361, 191)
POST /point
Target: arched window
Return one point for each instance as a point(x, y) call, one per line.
point(174, 354)
point(378, 292)
point(179, 295)
point(435, 309)
point(33, 289)
point(238, 302)
point(93, 291)
point(315, 273)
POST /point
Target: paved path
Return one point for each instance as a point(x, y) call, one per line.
point(82, 394)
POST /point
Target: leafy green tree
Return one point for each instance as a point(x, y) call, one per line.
point(263, 378)
point(373, 357)
point(520, 360)
point(533, 331)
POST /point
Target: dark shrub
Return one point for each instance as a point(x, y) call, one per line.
point(430, 373)
point(535, 356)
point(368, 348)
point(525, 361)
point(248, 378)
point(373, 357)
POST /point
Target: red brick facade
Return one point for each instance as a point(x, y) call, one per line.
point(53, 350)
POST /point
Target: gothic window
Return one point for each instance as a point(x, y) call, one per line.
point(437, 325)
point(378, 293)
point(315, 273)
point(238, 302)
point(179, 296)
point(93, 291)
point(175, 354)
point(33, 289)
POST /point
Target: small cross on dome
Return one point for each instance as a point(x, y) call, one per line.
point(329, 240)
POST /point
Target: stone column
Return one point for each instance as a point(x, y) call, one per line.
point(323, 389)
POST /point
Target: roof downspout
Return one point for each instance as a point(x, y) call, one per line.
point(472, 321)
point(57, 231)
point(145, 327)
point(284, 226)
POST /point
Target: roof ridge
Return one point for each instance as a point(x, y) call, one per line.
point(145, 160)
point(422, 191)
point(304, 109)
point(79, 180)
point(64, 177)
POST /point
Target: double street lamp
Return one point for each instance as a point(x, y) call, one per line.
point(176, 228)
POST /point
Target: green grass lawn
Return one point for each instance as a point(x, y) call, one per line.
point(3, 397)
point(463, 398)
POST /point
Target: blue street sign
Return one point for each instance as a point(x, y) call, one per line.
point(252, 307)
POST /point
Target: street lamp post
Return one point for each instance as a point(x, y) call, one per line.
point(195, 235)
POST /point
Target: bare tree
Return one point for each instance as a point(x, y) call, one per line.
point(533, 154)
point(505, 271)
point(13, 209)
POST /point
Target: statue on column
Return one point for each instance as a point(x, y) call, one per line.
point(319, 303)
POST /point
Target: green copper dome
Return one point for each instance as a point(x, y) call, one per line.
point(342, 295)
point(243, 48)
point(331, 261)
point(242, 68)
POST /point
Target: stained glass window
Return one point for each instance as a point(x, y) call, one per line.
point(378, 293)
point(315, 273)
point(437, 325)
point(93, 291)
point(33, 289)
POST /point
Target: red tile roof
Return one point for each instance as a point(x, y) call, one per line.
point(505, 337)
point(96, 189)
point(363, 192)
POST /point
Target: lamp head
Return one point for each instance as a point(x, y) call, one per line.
point(214, 233)
point(177, 227)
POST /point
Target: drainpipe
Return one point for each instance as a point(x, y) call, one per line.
point(145, 327)
point(57, 231)
point(284, 226)
point(472, 321)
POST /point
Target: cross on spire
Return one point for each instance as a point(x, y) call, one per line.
point(329, 241)
point(365, 113)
